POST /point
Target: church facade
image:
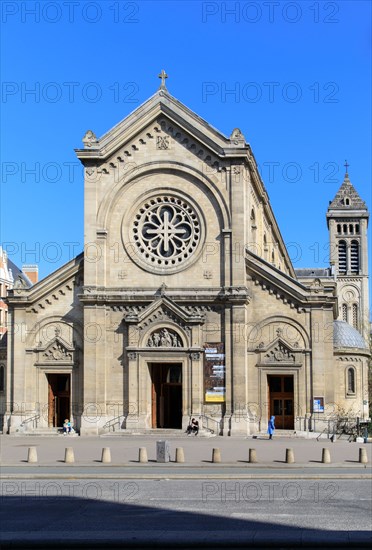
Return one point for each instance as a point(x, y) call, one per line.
point(185, 302)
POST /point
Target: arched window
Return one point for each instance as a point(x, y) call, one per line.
point(2, 378)
point(351, 228)
point(345, 228)
point(272, 257)
point(351, 381)
point(253, 215)
point(342, 261)
point(347, 201)
point(344, 312)
point(355, 316)
point(338, 228)
point(354, 256)
point(357, 228)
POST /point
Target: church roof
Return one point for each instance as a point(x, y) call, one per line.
point(346, 336)
point(18, 275)
point(347, 191)
point(313, 272)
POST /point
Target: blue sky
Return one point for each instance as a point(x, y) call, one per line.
point(295, 77)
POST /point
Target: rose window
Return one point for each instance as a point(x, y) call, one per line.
point(166, 231)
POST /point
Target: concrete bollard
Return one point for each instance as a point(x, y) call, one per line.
point(326, 456)
point(252, 456)
point(69, 455)
point(142, 455)
point(180, 456)
point(363, 458)
point(106, 455)
point(289, 456)
point(216, 455)
point(32, 455)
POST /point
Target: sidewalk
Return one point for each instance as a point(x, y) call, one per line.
point(197, 450)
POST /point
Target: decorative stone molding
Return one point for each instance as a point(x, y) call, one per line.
point(237, 138)
point(162, 142)
point(90, 139)
point(195, 356)
point(164, 338)
point(278, 295)
point(317, 286)
point(57, 352)
point(279, 353)
point(132, 355)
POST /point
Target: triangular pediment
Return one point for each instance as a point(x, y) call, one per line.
point(279, 351)
point(161, 106)
point(56, 349)
point(164, 308)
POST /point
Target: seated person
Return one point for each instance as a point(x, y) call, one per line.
point(193, 427)
point(67, 426)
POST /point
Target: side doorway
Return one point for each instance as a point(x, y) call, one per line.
point(281, 401)
point(59, 399)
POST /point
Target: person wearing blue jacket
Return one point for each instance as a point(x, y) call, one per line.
point(271, 427)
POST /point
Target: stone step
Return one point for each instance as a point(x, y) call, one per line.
point(41, 432)
point(159, 432)
point(278, 433)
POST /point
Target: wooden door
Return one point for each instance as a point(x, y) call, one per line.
point(281, 401)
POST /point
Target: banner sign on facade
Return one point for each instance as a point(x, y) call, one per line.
point(214, 373)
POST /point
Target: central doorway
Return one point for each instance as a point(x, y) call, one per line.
point(166, 395)
point(281, 399)
point(58, 399)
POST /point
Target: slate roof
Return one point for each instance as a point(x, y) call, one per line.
point(313, 272)
point(346, 336)
point(347, 190)
point(19, 275)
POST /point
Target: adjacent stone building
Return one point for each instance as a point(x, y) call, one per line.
point(9, 275)
point(185, 301)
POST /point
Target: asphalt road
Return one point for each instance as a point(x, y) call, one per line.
point(213, 513)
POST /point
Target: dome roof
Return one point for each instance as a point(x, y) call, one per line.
point(346, 336)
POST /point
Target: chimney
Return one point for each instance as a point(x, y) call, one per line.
point(32, 272)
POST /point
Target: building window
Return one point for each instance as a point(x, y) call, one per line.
point(357, 228)
point(351, 229)
point(344, 312)
point(351, 381)
point(354, 256)
point(355, 316)
point(339, 228)
point(345, 228)
point(342, 262)
point(2, 378)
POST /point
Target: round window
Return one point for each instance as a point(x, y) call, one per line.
point(166, 231)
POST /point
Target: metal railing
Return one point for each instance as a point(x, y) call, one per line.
point(207, 421)
point(32, 419)
point(337, 427)
point(115, 423)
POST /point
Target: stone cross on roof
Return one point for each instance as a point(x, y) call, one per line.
point(163, 75)
point(346, 167)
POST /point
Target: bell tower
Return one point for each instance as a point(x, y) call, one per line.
point(347, 220)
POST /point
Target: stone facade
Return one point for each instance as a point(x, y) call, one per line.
point(185, 301)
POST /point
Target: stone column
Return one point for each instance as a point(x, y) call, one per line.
point(94, 393)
